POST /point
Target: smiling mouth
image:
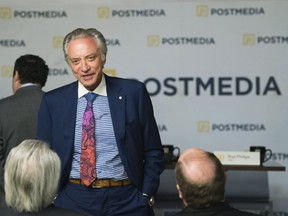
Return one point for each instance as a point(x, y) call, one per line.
point(87, 75)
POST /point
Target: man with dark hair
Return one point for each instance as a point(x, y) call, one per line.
point(18, 112)
point(201, 179)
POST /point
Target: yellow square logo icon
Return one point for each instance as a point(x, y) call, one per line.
point(203, 127)
point(153, 40)
point(249, 39)
point(5, 13)
point(103, 12)
point(7, 71)
point(57, 41)
point(202, 11)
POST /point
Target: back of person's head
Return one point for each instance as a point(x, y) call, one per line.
point(31, 69)
point(200, 178)
point(84, 33)
point(32, 173)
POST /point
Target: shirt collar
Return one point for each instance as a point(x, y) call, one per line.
point(29, 84)
point(100, 90)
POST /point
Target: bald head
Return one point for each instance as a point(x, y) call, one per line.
point(197, 167)
point(200, 178)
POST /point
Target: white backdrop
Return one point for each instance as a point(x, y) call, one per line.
point(216, 70)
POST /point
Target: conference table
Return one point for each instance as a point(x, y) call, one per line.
point(267, 166)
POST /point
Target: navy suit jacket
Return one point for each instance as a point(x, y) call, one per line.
point(135, 128)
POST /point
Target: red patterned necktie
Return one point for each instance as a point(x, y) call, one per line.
point(88, 146)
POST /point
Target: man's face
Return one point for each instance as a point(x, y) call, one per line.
point(84, 59)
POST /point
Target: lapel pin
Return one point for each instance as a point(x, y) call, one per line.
point(120, 97)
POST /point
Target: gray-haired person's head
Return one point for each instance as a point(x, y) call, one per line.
point(32, 173)
point(84, 33)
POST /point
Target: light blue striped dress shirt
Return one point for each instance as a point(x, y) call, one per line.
point(108, 161)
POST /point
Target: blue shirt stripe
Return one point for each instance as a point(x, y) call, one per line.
point(108, 161)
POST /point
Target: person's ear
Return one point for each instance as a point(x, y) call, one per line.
point(16, 82)
point(179, 191)
point(180, 194)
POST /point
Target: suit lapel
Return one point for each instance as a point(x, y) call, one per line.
point(117, 101)
point(70, 99)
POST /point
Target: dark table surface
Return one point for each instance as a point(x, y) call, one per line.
point(267, 166)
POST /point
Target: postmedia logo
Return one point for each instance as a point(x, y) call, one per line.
point(156, 41)
point(252, 40)
point(206, 127)
point(105, 13)
point(8, 13)
point(205, 11)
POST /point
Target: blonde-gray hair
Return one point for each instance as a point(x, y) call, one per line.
point(32, 173)
point(84, 33)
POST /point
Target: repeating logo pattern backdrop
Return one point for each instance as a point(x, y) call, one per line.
point(216, 71)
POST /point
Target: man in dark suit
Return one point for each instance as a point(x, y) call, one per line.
point(18, 113)
point(200, 181)
point(128, 155)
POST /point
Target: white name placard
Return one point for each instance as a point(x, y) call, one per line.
point(238, 157)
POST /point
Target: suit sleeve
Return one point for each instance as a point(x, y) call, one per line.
point(44, 122)
point(153, 151)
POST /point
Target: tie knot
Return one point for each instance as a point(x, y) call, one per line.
point(90, 97)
